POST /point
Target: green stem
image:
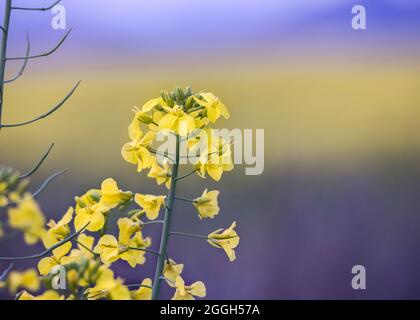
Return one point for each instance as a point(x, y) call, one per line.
point(3, 49)
point(166, 225)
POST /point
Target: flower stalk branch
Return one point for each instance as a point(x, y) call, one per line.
point(47, 251)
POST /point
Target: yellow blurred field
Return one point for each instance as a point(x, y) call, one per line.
point(325, 110)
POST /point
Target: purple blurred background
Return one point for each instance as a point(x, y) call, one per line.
point(340, 187)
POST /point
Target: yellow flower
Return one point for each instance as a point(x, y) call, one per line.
point(214, 167)
point(84, 251)
point(176, 120)
point(89, 211)
point(171, 271)
point(110, 249)
point(227, 240)
point(214, 107)
point(111, 195)
point(127, 228)
point(28, 218)
point(144, 292)
point(184, 292)
point(137, 152)
point(153, 103)
point(207, 205)
point(156, 117)
point(85, 244)
point(84, 258)
point(46, 264)
point(58, 232)
point(27, 279)
point(47, 295)
point(151, 204)
point(108, 287)
point(161, 174)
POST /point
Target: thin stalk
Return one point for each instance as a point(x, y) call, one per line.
point(186, 175)
point(199, 236)
point(46, 251)
point(184, 199)
point(151, 222)
point(166, 226)
point(34, 169)
point(38, 9)
point(188, 235)
point(3, 49)
point(143, 249)
point(6, 272)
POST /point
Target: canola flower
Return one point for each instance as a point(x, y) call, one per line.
point(107, 224)
point(128, 247)
point(151, 204)
point(28, 218)
point(27, 279)
point(227, 240)
point(183, 292)
point(207, 204)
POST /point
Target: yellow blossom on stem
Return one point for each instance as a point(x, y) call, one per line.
point(144, 292)
point(176, 120)
point(45, 265)
point(227, 240)
point(183, 292)
point(214, 167)
point(111, 195)
point(89, 211)
point(126, 248)
point(153, 103)
point(171, 271)
point(57, 232)
point(84, 250)
point(207, 205)
point(108, 287)
point(27, 279)
point(161, 174)
point(137, 151)
point(151, 204)
point(214, 107)
point(28, 218)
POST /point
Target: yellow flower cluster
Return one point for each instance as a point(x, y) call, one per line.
point(85, 244)
point(180, 113)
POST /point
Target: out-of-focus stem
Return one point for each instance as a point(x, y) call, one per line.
point(166, 226)
point(3, 49)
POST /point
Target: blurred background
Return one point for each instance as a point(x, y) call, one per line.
point(340, 109)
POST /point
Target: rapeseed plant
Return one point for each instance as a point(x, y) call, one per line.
point(81, 242)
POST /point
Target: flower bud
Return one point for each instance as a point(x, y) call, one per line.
point(167, 98)
point(144, 117)
point(80, 202)
point(95, 196)
point(178, 93)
